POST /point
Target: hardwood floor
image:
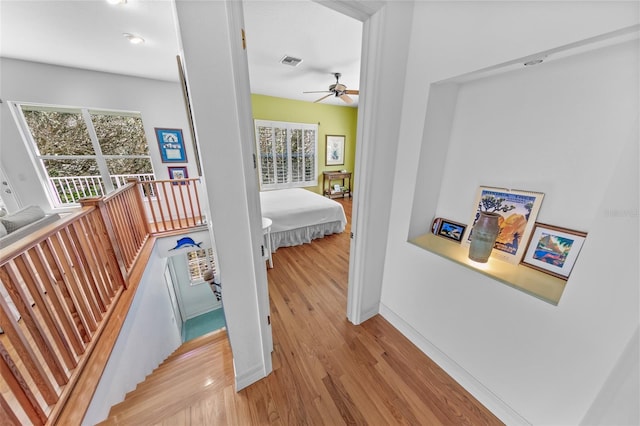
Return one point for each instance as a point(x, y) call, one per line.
point(325, 370)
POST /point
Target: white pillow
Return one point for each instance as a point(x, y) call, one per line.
point(21, 218)
point(3, 230)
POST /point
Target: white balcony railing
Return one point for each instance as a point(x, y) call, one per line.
point(69, 189)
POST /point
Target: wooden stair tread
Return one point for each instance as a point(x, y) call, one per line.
point(214, 336)
point(193, 371)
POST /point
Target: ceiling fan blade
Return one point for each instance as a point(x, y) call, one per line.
point(352, 92)
point(320, 91)
point(323, 98)
point(346, 98)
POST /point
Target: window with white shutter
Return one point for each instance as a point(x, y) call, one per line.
point(287, 154)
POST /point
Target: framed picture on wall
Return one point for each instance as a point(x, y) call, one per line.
point(334, 150)
point(553, 250)
point(178, 173)
point(171, 145)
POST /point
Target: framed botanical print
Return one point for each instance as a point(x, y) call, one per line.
point(334, 150)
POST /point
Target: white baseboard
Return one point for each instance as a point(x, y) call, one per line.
point(487, 398)
point(369, 314)
point(204, 310)
point(249, 377)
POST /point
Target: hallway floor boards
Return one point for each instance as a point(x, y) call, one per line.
point(325, 369)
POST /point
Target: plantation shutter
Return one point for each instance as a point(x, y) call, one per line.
point(287, 154)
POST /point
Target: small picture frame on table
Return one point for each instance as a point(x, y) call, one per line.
point(178, 173)
point(553, 249)
point(171, 145)
point(449, 229)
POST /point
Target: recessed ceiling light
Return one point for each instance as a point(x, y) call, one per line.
point(133, 39)
point(117, 1)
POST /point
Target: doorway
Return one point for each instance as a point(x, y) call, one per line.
point(283, 32)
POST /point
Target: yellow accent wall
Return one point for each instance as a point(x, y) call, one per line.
point(332, 120)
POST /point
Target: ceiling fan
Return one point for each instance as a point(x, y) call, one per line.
point(338, 90)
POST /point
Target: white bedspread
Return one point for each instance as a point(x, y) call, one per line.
point(299, 215)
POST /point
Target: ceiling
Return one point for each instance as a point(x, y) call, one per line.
point(88, 34)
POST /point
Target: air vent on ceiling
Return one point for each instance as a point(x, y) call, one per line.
point(290, 60)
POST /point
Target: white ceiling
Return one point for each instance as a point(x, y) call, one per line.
point(88, 34)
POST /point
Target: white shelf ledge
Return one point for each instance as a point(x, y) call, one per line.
point(536, 283)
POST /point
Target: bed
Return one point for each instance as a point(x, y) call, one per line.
point(300, 216)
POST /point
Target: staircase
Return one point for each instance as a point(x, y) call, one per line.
point(199, 369)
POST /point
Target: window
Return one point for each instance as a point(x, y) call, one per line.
point(287, 154)
point(199, 262)
point(84, 153)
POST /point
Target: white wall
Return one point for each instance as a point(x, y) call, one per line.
point(214, 63)
point(160, 103)
point(148, 336)
point(527, 360)
point(194, 299)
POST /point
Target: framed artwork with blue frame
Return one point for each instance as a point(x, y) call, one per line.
point(171, 145)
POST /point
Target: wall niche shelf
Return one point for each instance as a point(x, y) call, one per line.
point(538, 284)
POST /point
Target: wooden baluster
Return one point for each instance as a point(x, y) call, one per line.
point(80, 269)
point(24, 350)
point(110, 233)
point(152, 189)
point(130, 226)
point(93, 269)
point(72, 341)
point(60, 286)
point(197, 188)
point(80, 282)
point(168, 205)
point(20, 391)
point(120, 228)
point(70, 282)
point(12, 283)
point(6, 413)
point(136, 197)
point(99, 256)
point(31, 279)
point(142, 230)
point(106, 250)
point(180, 187)
point(190, 185)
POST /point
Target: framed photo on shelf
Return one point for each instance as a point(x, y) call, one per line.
point(334, 150)
point(553, 250)
point(171, 145)
point(178, 173)
point(450, 229)
point(435, 225)
point(518, 209)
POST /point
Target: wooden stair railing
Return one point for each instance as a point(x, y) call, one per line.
point(64, 281)
point(69, 284)
point(171, 205)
